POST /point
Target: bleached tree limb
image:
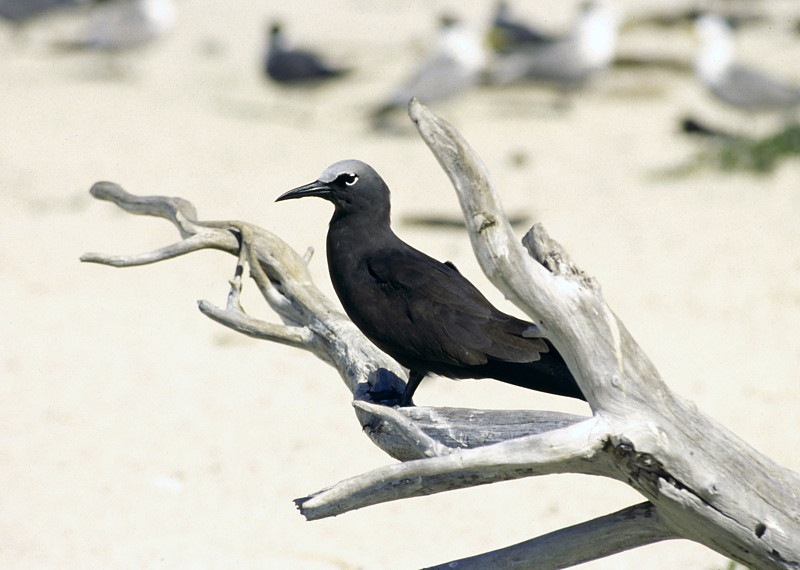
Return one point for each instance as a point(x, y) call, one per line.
point(708, 485)
point(299, 337)
point(171, 251)
point(575, 449)
point(465, 428)
point(384, 419)
point(701, 482)
point(629, 528)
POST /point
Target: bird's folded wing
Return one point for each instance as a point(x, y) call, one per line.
point(759, 89)
point(446, 314)
point(438, 78)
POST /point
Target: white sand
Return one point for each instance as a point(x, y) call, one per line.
point(138, 434)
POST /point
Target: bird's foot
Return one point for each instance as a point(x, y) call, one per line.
point(385, 388)
point(388, 398)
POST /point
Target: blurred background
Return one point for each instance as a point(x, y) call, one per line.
point(134, 432)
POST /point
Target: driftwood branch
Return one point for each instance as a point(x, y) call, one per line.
point(574, 449)
point(699, 480)
point(629, 528)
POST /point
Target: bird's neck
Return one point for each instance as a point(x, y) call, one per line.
point(596, 35)
point(278, 43)
point(374, 215)
point(715, 58)
point(160, 13)
point(460, 44)
point(350, 233)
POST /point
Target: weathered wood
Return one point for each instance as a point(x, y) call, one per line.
point(578, 448)
point(701, 482)
point(610, 534)
point(707, 484)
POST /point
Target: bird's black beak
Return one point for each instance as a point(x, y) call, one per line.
point(315, 188)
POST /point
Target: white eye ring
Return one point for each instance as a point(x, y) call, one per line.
point(353, 180)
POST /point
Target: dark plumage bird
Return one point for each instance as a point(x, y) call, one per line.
point(507, 33)
point(20, 12)
point(294, 66)
point(422, 312)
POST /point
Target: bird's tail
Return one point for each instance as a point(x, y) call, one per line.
point(548, 374)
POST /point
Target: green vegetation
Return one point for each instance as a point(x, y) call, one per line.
point(735, 152)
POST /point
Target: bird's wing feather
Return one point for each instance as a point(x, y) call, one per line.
point(753, 88)
point(298, 64)
point(437, 79)
point(558, 60)
point(445, 314)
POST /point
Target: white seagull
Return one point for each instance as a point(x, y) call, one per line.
point(738, 86)
point(453, 66)
point(116, 25)
point(568, 61)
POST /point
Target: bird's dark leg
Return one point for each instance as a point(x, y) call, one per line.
point(414, 378)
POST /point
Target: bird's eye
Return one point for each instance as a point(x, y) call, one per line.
point(349, 179)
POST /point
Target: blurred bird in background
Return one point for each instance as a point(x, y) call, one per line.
point(566, 61)
point(118, 25)
point(507, 33)
point(289, 66)
point(20, 12)
point(452, 67)
point(734, 84)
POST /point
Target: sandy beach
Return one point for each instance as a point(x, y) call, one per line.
point(136, 433)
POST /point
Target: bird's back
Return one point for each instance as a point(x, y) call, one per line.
point(558, 61)
point(754, 90)
point(438, 79)
point(290, 65)
point(298, 66)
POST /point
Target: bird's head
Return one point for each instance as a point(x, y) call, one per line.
point(351, 185)
point(275, 29)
